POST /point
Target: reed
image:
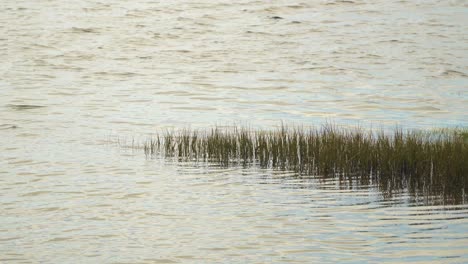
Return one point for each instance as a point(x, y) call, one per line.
point(401, 159)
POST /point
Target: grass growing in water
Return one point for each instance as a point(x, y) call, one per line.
point(431, 161)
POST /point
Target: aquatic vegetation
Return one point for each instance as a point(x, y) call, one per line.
point(427, 161)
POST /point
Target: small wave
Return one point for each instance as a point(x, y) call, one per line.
point(83, 30)
point(453, 73)
point(7, 126)
point(340, 2)
point(24, 106)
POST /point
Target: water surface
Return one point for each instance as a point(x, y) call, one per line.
point(72, 74)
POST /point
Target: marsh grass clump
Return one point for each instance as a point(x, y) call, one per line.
point(414, 160)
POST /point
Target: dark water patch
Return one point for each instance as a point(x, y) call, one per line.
point(7, 126)
point(83, 30)
point(453, 73)
point(276, 17)
point(20, 107)
point(340, 2)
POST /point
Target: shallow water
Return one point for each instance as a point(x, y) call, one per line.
point(73, 75)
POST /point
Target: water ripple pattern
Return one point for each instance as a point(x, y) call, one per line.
point(374, 61)
point(74, 72)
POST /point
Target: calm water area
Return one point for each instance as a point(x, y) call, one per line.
point(74, 74)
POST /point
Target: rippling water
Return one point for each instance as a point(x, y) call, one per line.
point(74, 73)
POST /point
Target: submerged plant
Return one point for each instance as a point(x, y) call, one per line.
point(434, 161)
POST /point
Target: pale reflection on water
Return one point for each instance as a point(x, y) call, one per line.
point(73, 73)
point(155, 211)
